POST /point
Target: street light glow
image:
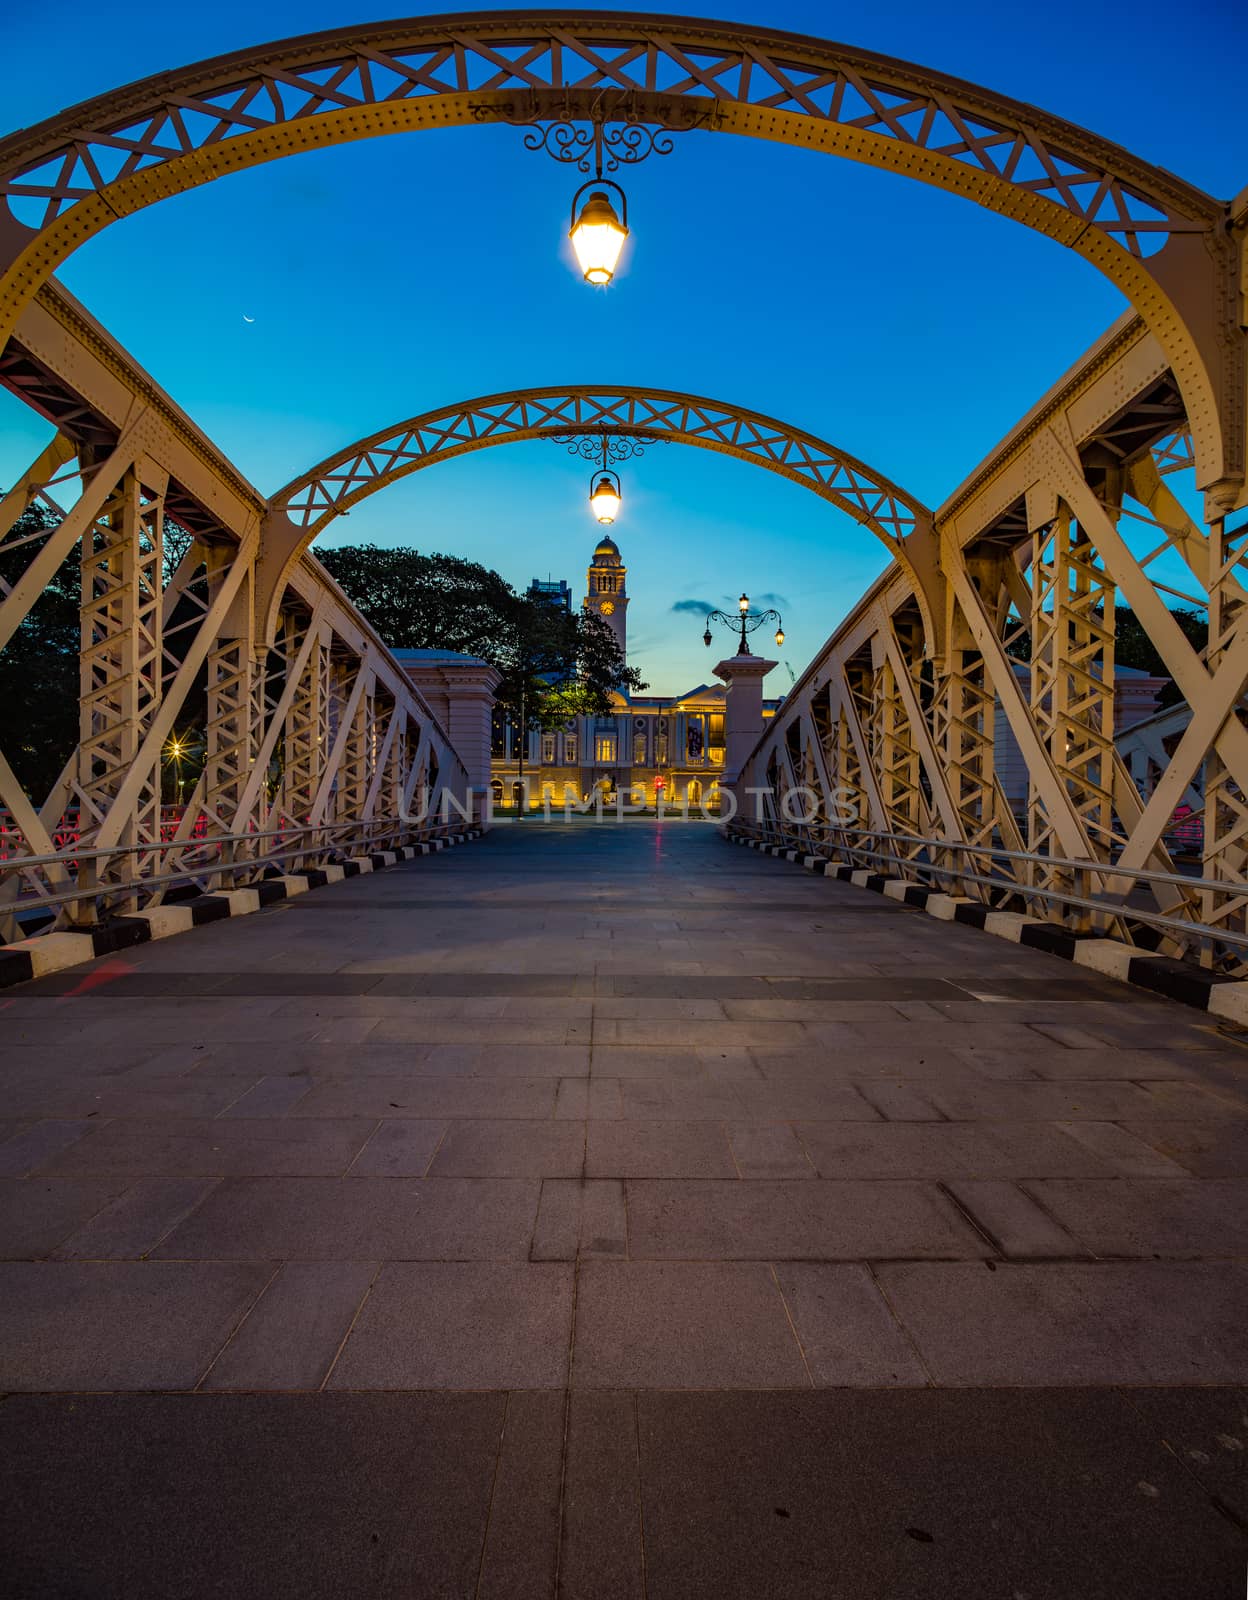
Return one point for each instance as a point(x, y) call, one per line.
point(598, 236)
point(604, 498)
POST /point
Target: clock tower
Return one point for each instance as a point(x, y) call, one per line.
point(606, 595)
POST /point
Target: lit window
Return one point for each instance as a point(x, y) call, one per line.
point(548, 749)
point(605, 747)
point(569, 747)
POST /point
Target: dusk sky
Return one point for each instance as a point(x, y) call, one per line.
point(391, 276)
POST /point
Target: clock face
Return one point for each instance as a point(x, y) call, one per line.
point(607, 607)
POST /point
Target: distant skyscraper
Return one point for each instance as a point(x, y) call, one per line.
point(555, 591)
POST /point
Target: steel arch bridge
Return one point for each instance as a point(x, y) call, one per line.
point(310, 503)
point(1174, 251)
point(1038, 540)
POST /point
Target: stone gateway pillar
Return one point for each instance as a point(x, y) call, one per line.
point(459, 690)
point(743, 711)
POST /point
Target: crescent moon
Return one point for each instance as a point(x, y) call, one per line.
point(246, 318)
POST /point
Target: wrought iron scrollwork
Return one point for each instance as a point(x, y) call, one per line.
point(608, 447)
point(618, 133)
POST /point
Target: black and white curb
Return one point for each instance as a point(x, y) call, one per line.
point(52, 952)
point(1226, 998)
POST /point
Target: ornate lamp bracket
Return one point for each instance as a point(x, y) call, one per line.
point(618, 132)
point(607, 448)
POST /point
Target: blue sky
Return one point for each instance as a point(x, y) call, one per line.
point(392, 276)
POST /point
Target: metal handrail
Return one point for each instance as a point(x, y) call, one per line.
point(95, 853)
point(324, 837)
point(1112, 908)
point(1101, 868)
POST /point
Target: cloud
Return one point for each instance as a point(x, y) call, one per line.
point(694, 607)
point(768, 600)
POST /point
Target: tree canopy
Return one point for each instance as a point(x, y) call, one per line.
point(555, 664)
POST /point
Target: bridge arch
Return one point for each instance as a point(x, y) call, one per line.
point(308, 504)
point(69, 177)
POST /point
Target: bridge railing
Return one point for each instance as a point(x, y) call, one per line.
point(80, 887)
point(1102, 898)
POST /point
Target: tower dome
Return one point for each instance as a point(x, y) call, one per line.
point(606, 550)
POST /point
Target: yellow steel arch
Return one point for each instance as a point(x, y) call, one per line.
point(69, 177)
point(308, 504)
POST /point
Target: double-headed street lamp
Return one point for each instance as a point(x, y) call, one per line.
point(746, 621)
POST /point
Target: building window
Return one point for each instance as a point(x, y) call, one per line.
point(639, 741)
point(604, 748)
point(569, 748)
point(548, 749)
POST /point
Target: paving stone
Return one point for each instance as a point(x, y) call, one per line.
point(735, 1221)
point(1132, 1154)
point(292, 1334)
point(947, 1150)
point(1207, 1149)
point(1043, 1102)
point(848, 1335)
point(461, 1325)
point(136, 1221)
point(658, 1150)
point(36, 1214)
point(681, 1325)
point(118, 1324)
point(605, 1099)
point(950, 1496)
point(1012, 1220)
point(215, 1147)
point(38, 1146)
point(429, 1097)
point(768, 1150)
point(580, 1217)
point(399, 1148)
point(360, 1219)
point(1207, 1429)
point(1182, 1217)
point(511, 1149)
point(601, 1553)
point(295, 1497)
point(97, 1096)
point(900, 1102)
point(572, 1100)
point(1028, 1325)
point(522, 1543)
point(271, 1097)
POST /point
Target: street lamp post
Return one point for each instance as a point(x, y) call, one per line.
point(746, 622)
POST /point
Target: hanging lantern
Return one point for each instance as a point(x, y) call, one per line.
point(604, 495)
point(779, 636)
point(598, 234)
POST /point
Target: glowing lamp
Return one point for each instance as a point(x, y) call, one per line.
point(598, 234)
point(779, 636)
point(604, 496)
point(744, 603)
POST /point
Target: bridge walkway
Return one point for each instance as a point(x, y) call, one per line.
point(603, 1211)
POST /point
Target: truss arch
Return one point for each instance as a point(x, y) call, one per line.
point(311, 502)
point(70, 176)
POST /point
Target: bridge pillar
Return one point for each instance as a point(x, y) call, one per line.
point(743, 712)
point(459, 691)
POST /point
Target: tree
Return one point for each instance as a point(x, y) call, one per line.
point(39, 665)
point(555, 664)
point(424, 602)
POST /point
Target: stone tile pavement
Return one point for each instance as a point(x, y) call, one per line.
point(601, 1211)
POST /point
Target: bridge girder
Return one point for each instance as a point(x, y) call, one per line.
point(71, 176)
